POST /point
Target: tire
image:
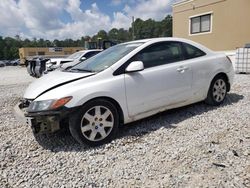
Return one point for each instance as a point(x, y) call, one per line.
point(95, 123)
point(217, 91)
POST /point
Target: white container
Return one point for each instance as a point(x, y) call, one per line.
point(242, 60)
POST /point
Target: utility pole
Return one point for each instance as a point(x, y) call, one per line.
point(133, 28)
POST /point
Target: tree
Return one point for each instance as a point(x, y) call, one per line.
point(150, 28)
point(138, 26)
point(122, 35)
point(57, 43)
point(112, 34)
point(18, 38)
point(102, 35)
point(167, 26)
point(1, 47)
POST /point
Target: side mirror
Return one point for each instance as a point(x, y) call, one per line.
point(135, 66)
point(83, 58)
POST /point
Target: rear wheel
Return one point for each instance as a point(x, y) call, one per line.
point(217, 91)
point(96, 123)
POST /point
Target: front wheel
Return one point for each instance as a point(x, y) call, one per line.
point(95, 123)
point(217, 91)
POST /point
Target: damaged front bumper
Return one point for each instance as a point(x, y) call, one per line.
point(44, 121)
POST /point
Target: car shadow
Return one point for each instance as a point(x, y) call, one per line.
point(170, 118)
point(63, 141)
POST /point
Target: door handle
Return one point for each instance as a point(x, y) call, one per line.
point(182, 69)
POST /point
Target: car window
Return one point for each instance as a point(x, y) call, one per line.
point(75, 55)
point(192, 52)
point(90, 54)
point(160, 54)
point(107, 57)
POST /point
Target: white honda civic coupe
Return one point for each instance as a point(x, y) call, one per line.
point(125, 83)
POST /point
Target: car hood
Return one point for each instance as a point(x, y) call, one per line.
point(51, 81)
point(70, 64)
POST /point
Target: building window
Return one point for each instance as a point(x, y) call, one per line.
point(200, 24)
point(58, 49)
point(67, 52)
point(31, 53)
point(41, 53)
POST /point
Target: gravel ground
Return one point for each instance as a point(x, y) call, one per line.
point(193, 146)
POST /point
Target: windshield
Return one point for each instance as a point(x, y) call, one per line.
point(106, 58)
point(75, 55)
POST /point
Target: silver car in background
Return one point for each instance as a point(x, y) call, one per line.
point(41, 65)
point(71, 60)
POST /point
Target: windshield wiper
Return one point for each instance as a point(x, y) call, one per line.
point(81, 70)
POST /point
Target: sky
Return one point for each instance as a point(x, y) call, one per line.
point(62, 19)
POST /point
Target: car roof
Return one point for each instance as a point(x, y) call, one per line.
point(159, 39)
point(92, 50)
point(162, 39)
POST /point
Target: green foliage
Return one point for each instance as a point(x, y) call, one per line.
point(113, 34)
point(142, 29)
point(151, 29)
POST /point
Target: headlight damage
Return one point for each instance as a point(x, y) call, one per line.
point(51, 104)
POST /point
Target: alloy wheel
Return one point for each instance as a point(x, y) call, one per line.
point(219, 90)
point(97, 123)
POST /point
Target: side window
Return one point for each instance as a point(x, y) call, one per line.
point(192, 52)
point(160, 54)
point(90, 54)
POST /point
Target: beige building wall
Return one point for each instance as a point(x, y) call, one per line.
point(25, 53)
point(230, 22)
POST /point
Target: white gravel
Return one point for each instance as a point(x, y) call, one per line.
point(193, 146)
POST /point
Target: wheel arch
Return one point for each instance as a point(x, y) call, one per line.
point(224, 75)
point(114, 102)
point(210, 97)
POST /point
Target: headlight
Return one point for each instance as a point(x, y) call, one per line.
point(48, 104)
